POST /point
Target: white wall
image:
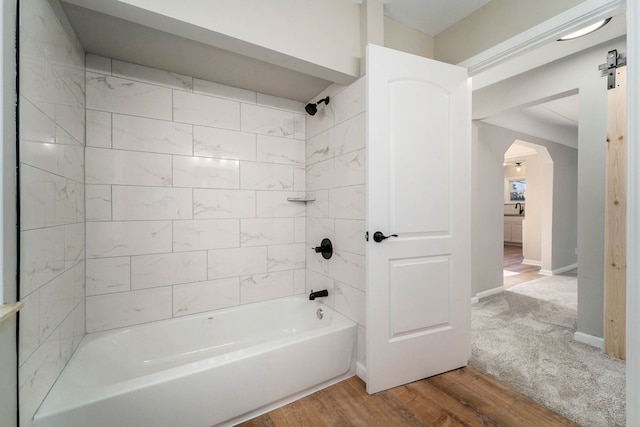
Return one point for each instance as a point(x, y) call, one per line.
point(400, 37)
point(336, 178)
point(52, 199)
point(187, 186)
point(489, 145)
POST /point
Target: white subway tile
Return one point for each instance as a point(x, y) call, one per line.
point(108, 275)
point(347, 202)
point(261, 232)
point(34, 124)
point(300, 179)
point(350, 169)
point(37, 198)
point(150, 271)
point(261, 287)
point(299, 280)
point(286, 257)
point(223, 91)
point(321, 175)
point(98, 202)
point(351, 302)
point(350, 102)
point(149, 203)
point(266, 121)
point(57, 300)
point(29, 326)
point(350, 235)
point(74, 241)
point(204, 172)
point(270, 204)
point(223, 143)
point(319, 208)
point(320, 228)
point(128, 308)
point(288, 151)
point(106, 93)
point(150, 135)
point(300, 126)
point(38, 373)
point(59, 159)
point(280, 103)
point(205, 234)
point(209, 204)
point(348, 136)
point(318, 148)
point(71, 124)
point(97, 64)
point(300, 230)
point(98, 129)
point(324, 119)
point(127, 167)
point(237, 262)
point(41, 257)
point(205, 296)
point(317, 282)
point(205, 110)
point(348, 268)
point(109, 239)
point(72, 330)
point(265, 176)
point(151, 75)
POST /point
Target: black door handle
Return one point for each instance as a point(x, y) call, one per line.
point(379, 237)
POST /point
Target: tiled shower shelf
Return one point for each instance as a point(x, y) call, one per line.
point(301, 199)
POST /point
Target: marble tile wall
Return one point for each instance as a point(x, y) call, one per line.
point(52, 214)
point(336, 178)
point(186, 195)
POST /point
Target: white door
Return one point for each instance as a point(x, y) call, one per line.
point(419, 187)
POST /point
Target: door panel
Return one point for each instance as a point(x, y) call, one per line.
point(418, 186)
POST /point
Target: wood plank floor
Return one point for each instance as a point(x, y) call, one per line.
point(463, 397)
point(513, 262)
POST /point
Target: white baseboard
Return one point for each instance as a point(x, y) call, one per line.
point(474, 300)
point(532, 262)
point(488, 293)
point(361, 371)
point(558, 270)
point(589, 340)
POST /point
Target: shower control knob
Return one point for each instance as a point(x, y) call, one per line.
point(379, 237)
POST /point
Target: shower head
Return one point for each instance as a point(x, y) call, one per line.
point(312, 108)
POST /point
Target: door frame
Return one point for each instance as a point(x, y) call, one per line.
point(488, 61)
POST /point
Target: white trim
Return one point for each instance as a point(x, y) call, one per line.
point(583, 14)
point(633, 213)
point(558, 270)
point(490, 292)
point(361, 371)
point(532, 262)
point(475, 300)
point(589, 340)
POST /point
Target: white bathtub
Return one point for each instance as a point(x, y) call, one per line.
point(217, 368)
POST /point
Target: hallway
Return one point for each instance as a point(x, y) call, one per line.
point(515, 272)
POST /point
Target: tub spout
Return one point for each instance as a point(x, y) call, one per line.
point(322, 293)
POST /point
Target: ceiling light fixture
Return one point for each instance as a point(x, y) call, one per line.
point(586, 30)
point(518, 165)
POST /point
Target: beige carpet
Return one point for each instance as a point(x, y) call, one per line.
point(523, 337)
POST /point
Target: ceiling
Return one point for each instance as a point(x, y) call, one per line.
point(433, 16)
point(555, 120)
